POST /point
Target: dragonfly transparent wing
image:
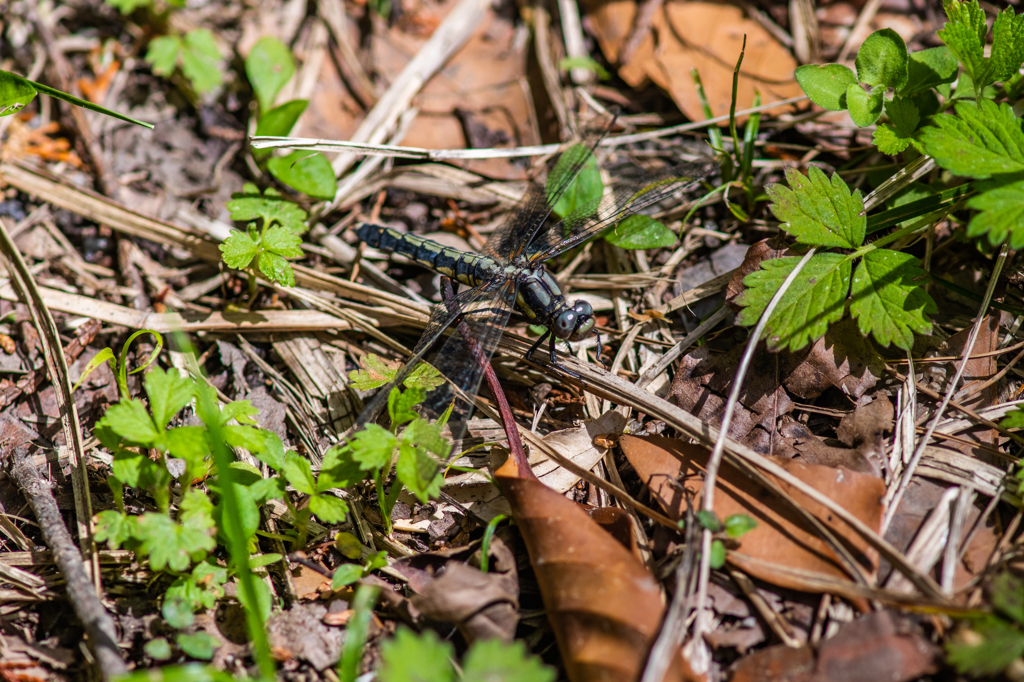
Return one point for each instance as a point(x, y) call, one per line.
point(485, 309)
point(513, 237)
point(627, 198)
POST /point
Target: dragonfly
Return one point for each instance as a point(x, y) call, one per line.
point(510, 277)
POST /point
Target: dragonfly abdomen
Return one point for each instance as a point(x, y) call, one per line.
point(464, 267)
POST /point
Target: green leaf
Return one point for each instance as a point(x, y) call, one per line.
point(1001, 643)
point(416, 468)
point(348, 545)
point(270, 207)
point(401, 405)
point(177, 613)
point(262, 560)
point(282, 241)
point(338, 469)
point(201, 60)
point(641, 232)
point(1001, 213)
point(569, 63)
point(738, 525)
point(158, 649)
point(307, 173)
point(171, 545)
point(964, 34)
point(346, 574)
point(269, 66)
point(888, 300)
point(276, 269)
point(582, 191)
point(375, 373)
point(375, 561)
point(816, 298)
point(201, 588)
point(127, 7)
point(299, 473)
point(264, 600)
point(928, 69)
point(189, 672)
point(134, 469)
point(162, 54)
point(272, 488)
point(372, 447)
point(424, 377)
point(130, 420)
point(1007, 44)
point(710, 521)
point(168, 393)
point(242, 411)
point(1013, 420)
point(196, 510)
point(491, 660)
point(238, 250)
point(280, 120)
point(982, 140)
point(882, 60)
point(894, 137)
point(1008, 596)
point(817, 211)
point(15, 93)
point(328, 508)
point(826, 84)
point(197, 644)
point(248, 514)
point(717, 558)
point(114, 527)
point(408, 657)
point(865, 107)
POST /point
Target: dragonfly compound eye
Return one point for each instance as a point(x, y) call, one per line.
point(584, 322)
point(565, 324)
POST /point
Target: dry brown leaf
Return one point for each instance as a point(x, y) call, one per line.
point(782, 540)
point(703, 36)
point(843, 359)
point(603, 604)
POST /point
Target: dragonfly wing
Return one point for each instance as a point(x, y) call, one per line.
point(513, 237)
point(628, 198)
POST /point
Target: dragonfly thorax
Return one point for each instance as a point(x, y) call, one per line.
point(541, 300)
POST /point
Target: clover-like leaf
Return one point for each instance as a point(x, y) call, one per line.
point(816, 298)
point(270, 207)
point(818, 211)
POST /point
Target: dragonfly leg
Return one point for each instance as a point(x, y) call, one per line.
point(599, 350)
point(536, 345)
point(559, 366)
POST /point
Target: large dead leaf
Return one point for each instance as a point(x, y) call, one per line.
point(697, 35)
point(783, 546)
point(603, 605)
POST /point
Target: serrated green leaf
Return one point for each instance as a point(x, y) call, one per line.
point(372, 447)
point(640, 232)
point(491, 660)
point(420, 448)
point(338, 469)
point(826, 84)
point(865, 107)
point(1008, 596)
point(408, 657)
point(1013, 420)
point(242, 411)
point(1007, 44)
point(172, 545)
point(130, 420)
point(328, 508)
point(168, 393)
point(882, 60)
point(114, 528)
point(307, 173)
point(402, 404)
point(134, 469)
point(424, 377)
point(888, 300)
point(299, 473)
point(269, 66)
point(281, 119)
point(282, 241)
point(272, 488)
point(270, 207)
point(192, 444)
point(819, 211)
point(238, 250)
point(964, 34)
point(982, 140)
point(375, 372)
point(583, 191)
point(894, 137)
point(1000, 644)
point(201, 60)
point(15, 93)
point(276, 269)
point(162, 54)
point(1001, 213)
point(888, 140)
point(928, 69)
point(816, 298)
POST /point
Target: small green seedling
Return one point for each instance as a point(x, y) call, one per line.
point(992, 642)
point(346, 574)
point(273, 235)
point(734, 527)
point(196, 54)
point(269, 67)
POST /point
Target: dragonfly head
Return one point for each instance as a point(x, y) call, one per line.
point(575, 323)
